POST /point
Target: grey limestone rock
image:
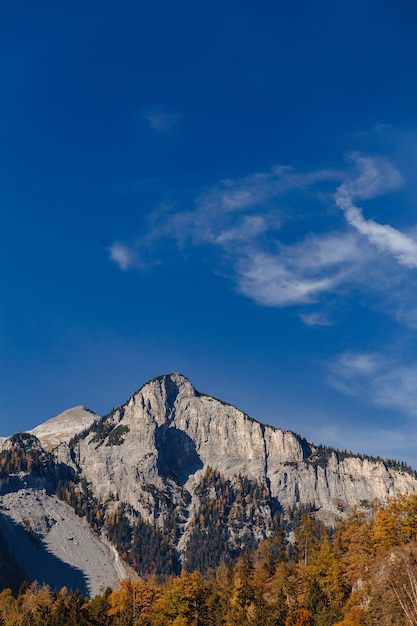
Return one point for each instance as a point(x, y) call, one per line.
point(170, 434)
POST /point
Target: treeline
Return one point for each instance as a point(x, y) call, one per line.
point(320, 456)
point(364, 573)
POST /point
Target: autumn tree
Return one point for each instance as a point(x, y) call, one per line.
point(8, 605)
point(98, 608)
point(308, 533)
point(183, 603)
point(123, 603)
point(355, 545)
point(300, 617)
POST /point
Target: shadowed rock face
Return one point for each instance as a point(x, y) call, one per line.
point(177, 458)
point(36, 562)
point(11, 574)
point(47, 542)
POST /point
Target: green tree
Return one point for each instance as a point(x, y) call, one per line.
point(307, 534)
point(98, 609)
point(185, 602)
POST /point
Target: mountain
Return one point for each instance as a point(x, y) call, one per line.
point(175, 478)
point(64, 426)
point(41, 537)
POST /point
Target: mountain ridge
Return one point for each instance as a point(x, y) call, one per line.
point(176, 478)
point(216, 434)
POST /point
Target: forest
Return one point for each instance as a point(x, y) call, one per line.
point(362, 572)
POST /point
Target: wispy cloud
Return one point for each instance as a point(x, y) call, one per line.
point(376, 176)
point(124, 256)
point(349, 370)
point(383, 380)
point(246, 222)
point(260, 189)
point(161, 121)
point(269, 280)
point(297, 274)
point(316, 318)
point(248, 228)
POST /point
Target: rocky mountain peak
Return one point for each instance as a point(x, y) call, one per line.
point(167, 388)
point(171, 460)
point(168, 434)
point(64, 426)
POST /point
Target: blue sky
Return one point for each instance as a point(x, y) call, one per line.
point(224, 189)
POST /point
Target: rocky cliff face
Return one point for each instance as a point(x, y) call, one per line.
point(190, 466)
point(159, 446)
point(169, 434)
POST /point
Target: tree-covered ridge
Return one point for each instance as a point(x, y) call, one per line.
point(25, 454)
point(228, 520)
point(319, 456)
point(77, 493)
point(147, 549)
point(104, 428)
point(364, 573)
point(101, 428)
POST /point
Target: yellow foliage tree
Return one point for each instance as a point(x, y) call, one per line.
point(300, 617)
point(182, 604)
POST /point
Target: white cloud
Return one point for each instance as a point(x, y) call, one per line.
point(249, 227)
point(161, 121)
point(384, 237)
point(277, 236)
point(316, 318)
point(350, 365)
point(122, 255)
point(260, 189)
point(267, 280)
point(376, 176)
point(297, 274)
point(384, 381)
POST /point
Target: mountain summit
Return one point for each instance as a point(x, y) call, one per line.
point(176, 478)
point(168, 434)
point(64, 426)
